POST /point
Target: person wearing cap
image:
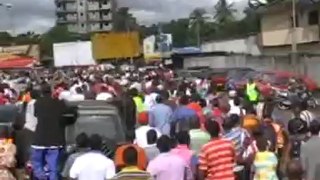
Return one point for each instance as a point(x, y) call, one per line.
point(141, 132)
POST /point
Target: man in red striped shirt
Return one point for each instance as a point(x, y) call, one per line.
point(217, 157)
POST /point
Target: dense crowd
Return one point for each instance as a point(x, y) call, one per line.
point(175, 129)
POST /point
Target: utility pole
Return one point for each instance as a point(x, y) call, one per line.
point(294, 38)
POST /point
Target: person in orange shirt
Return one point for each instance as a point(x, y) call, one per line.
point(119, 155)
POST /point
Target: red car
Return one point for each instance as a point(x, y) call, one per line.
point(267, 80)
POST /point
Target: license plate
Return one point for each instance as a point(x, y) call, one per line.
point(219, 84)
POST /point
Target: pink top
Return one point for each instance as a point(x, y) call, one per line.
point(184, 152)
point(168, 166)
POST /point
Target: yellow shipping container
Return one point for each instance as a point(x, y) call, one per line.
point(115, 45)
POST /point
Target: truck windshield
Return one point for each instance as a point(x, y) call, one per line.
point(106, 126)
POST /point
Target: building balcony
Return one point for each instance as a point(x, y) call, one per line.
point(102, 18)
point(98, 7)
point(66, 10)
point(66, 20)
point(284, 36)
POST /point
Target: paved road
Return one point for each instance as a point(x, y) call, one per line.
point(285, 115)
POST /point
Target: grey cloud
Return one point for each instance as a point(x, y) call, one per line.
point(28, 15)
point(39, 15)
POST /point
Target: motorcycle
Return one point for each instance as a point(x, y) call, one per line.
point(284, 103)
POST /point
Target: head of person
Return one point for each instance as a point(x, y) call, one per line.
point(250, 80)
point(164, 144)
point(79, 90)
point(133, 92)
point(46, 89)
point(195, 123)
point(183, 138)
point(236, 101)
point(195, 98)
point(95, 142)
point(215, 103)
point(314, 128)
point(34, 94)
point(130, 156)
point(184, 100)
point(165, 95)
point(152, 137)
point(250, 110)
point(295, 170)
point(262, 144)
point(297, 126)
point(267, 119)
point(159, 99)
point(213, 128)
point(203, 103)
point(143, 118)
point(82, 140)
point(232, 121)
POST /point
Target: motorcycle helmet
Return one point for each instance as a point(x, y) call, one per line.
point(297, 126)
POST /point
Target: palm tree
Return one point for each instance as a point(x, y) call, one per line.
point(224, 12)
point(197, 19)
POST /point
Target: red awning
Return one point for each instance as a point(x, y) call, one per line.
point(19, 62)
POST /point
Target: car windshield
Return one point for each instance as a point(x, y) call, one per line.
point(106, 126)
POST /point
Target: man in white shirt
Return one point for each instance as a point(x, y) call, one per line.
point(93, 164)
point(141, 132)
point(150, 100)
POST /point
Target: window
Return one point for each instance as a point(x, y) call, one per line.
point(297, 21)
point(105, 2)
point(81, 4)
point(101, 26)
point(81, 14)
point(82, 25)
point(313, 17)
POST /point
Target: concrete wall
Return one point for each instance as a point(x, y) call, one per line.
point(309, 66)
point(246, 45)
point(276, 27)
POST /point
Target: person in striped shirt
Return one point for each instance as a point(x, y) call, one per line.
point(265, 162)
point(217, 157)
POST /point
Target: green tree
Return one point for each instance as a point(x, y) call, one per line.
point(55, 35)
point(224, 12)
point(197, 21)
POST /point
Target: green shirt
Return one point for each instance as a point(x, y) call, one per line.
point(198, 138)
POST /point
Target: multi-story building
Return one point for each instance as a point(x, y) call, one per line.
point(277, 32)
point(84, 16)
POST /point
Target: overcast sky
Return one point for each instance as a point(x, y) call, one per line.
point(39, 15)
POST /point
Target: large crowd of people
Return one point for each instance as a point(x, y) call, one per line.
point(175, 129)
